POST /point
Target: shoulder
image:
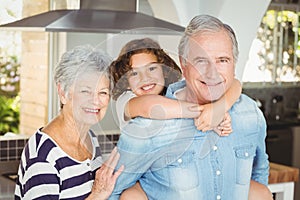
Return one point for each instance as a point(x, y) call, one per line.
point(175, 87)
point(39, 144)
point(246, 116)
point(244, 104)
point(40, 148)
point(125, 97)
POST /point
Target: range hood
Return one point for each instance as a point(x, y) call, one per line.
point(97, 16)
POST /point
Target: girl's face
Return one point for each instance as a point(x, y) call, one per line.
point(146, 76)
point(88, 98)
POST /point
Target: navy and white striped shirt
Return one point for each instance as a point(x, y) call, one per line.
point(47, 172)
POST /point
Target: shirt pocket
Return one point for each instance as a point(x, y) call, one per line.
point(183, 172)
point(244, 161)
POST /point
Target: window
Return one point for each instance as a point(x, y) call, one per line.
point(275, 52)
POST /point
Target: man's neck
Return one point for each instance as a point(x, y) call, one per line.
point(187, 95)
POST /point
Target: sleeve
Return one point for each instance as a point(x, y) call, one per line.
point(136, 154)
point(260, 172)
point(120, 106)
point(39, 180)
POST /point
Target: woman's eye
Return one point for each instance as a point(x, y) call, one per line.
point(103, 93)
point(85, 91)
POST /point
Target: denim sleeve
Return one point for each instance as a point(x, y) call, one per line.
point(260, 172)
point(137, 158)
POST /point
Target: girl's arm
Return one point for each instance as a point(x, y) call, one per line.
point(213, 113)
point(160, 107)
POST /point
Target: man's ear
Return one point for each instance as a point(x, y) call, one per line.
point(61, 94)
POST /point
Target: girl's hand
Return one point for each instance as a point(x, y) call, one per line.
point(225, 126)
point(209, 118)
point(105, 178)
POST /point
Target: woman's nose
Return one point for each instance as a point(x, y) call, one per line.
point(97, 100)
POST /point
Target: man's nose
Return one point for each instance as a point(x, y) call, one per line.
point(210, 71)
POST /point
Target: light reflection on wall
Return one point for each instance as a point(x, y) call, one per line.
point(274, 54)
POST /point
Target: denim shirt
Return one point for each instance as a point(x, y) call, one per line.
point(173, 160)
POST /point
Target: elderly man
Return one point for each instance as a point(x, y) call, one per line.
point(171, 158)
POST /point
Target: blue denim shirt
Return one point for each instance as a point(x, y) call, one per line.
point(173, 160)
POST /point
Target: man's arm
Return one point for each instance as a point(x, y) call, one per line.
point(259, 191)
point(260, 172)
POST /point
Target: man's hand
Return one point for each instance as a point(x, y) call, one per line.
point(259, 191)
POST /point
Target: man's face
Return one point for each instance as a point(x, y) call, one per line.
point(209, 70)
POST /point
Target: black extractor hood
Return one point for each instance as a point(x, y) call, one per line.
point(97, 16)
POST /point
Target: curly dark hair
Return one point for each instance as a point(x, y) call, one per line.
point(120, 66)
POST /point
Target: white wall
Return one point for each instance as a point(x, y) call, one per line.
point(243, 16)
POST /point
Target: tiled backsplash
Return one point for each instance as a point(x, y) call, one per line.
point(290, 94)
point(11, 149)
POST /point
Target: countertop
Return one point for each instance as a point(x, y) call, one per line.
point(284, 123)
point(282, 173)
point(7, 186)
point(278, 173)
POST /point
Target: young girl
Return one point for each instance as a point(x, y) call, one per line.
point(142, 73)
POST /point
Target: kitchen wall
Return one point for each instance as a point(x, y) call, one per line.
point(265, 92)
point(12, 147)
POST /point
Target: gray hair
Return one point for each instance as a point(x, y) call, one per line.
point(205, 23)
point(78, 60)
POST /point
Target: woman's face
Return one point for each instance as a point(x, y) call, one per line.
point(89, 97)
point(146, 76)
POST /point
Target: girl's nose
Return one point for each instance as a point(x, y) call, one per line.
point(144, 76)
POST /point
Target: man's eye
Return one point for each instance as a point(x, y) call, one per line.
point(224, 60)
point(202, 61)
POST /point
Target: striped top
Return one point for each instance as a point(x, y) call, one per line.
point(47, 172)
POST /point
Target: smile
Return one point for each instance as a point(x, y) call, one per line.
point(211, 84)
point(148, 87)
point(91, 110)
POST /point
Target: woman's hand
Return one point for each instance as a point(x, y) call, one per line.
point(106, 178)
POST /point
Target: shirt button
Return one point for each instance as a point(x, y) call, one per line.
point(179, 160)
point(218, 172)
point(215, 148)
point(218, 197)
point(246, 154)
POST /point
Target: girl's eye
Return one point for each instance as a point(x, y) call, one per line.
point(133, 73)
point(152, 68)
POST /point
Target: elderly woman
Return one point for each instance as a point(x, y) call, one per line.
point(62, 160)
